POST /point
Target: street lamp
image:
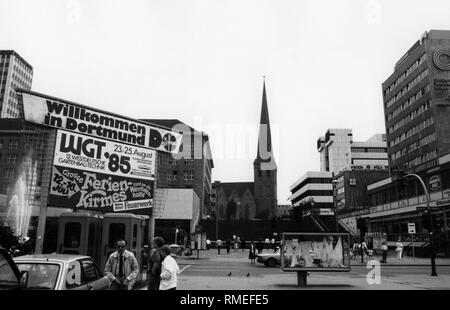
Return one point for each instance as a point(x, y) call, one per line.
point(430, 231)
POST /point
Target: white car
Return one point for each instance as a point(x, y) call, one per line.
point(61, 272)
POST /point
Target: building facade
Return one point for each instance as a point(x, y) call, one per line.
point(338, 150)
point(314, 189)
point(192, 169)
point(417, 112)
point(15, 73)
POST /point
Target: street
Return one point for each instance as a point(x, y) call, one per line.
point(234, 272)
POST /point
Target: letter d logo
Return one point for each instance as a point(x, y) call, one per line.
point(374, 275)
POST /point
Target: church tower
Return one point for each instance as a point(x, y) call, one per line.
point(265, 168)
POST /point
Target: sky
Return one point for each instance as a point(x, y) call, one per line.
point(203, 62)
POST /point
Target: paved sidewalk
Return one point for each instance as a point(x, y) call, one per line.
point(288, 281)
point(240, 256)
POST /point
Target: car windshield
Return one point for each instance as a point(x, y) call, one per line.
point(8, 279)
point(41, 276)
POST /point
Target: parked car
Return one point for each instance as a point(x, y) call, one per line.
point(10, 276)
point(270, 259)
point(61, 272)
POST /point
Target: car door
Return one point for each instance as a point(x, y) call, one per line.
point(75, 279)
point(9, 273)
point(93, 278)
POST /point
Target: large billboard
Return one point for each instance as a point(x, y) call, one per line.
point(100, 175)
point(84, 120)
point(315, 252)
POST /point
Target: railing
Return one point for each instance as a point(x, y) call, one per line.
point(406, 238)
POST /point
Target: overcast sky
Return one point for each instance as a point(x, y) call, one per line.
point(202, 62)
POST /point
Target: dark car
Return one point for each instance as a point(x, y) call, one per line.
point(10, 276)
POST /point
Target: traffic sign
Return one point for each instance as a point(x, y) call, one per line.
point(412, 228)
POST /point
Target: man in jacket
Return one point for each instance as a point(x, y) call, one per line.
point(154, 265)
point(122, 268)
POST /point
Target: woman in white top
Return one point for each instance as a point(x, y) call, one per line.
point(169, 271)
point(399, 249)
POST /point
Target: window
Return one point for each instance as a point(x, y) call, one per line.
point(12, 158)
point(116, 232)
point(134, 235)
point(268, 173)
point(7, 276)
point(72, 235)
point(90, 251)
point(13, 144)
point(89, 271)
point(188, 175)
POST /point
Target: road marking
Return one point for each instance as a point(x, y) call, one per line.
point(184, 268)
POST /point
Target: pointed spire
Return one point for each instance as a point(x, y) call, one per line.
point(264, 152)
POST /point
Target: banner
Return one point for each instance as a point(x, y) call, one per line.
point(76, 118)
point(100, 175)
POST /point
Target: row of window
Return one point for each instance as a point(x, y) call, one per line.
point(405, 74)
point(414, 146)
point(422, 159)
point(410, 117)
point(413, 131)
point(407, 88)
point(188, 176)
point(369, 150)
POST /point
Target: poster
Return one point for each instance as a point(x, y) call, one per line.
point(76, 118)
point(100, 175)
point(311, 251)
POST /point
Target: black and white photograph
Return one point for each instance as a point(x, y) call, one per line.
point(231, 151)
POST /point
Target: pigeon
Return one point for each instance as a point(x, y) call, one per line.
point(229, 274)
point(248, 275)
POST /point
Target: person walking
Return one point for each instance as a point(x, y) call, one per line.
point(259, 247)
point(219, 246)
point(228, 246)
point(122, 268)
point(399, 249)
point(384, 248)
point(169, 271)
point(154, 265)
point(208, 244)
point(274, 245)
point(243, 245)
point(236, 244)
point(252, 253)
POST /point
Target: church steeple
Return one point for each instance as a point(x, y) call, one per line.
point(265, 155)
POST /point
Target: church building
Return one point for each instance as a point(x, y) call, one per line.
point(257, 199)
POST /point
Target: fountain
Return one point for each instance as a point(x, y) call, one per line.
point(19, 211)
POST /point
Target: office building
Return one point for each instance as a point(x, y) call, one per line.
point(15, 73)
point(338, 150)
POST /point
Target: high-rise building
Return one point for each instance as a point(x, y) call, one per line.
point(15, 73)
point(416, 99)
point(315, 190)
point(338, 150)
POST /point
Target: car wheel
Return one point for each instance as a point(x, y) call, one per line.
point(271, 262)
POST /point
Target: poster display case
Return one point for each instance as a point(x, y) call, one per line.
point(318, 252)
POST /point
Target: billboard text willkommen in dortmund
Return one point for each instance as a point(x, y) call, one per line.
point(101, 163)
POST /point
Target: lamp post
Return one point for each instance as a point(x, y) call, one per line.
point(430, 231)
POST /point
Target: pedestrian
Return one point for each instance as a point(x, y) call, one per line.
point(399, 249)
point(228, 246)
point(122, 268)
point(260, 246)
point(274, 245)
point(169, 270)
point(219, 246)
point(243, 245)
point(252, 253)
point(208, 244)
point(154, 265)
point(384, 248)
point(236, 244)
